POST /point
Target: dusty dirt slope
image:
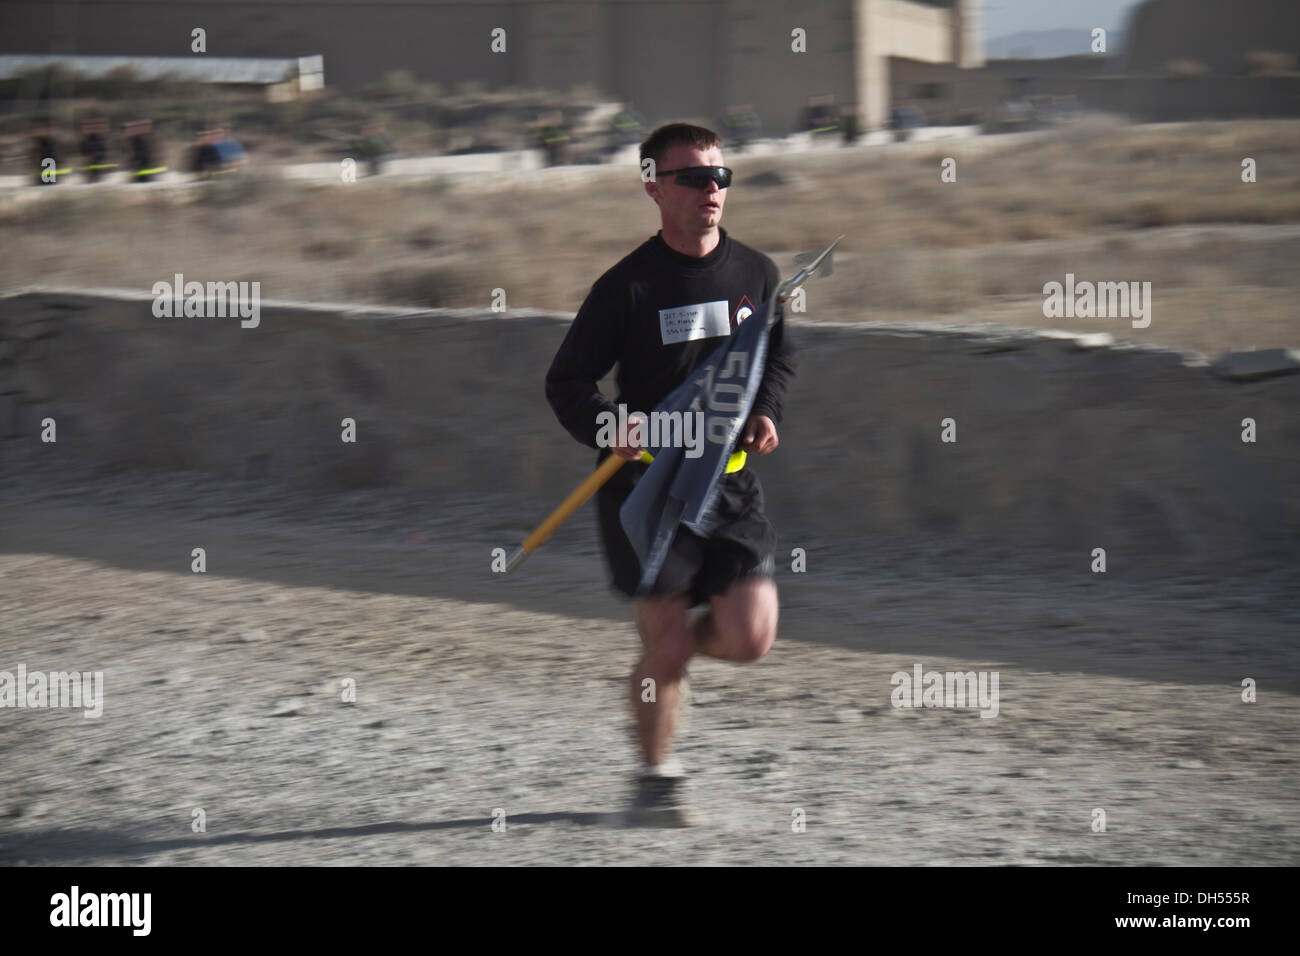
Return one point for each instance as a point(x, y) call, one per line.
point(476, 692)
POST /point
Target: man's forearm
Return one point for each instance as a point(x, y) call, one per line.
point(770, 400)
point(576, 404)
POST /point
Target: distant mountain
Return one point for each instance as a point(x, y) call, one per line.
point(1037, 44)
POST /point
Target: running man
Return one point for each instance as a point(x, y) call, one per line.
point(658, 314)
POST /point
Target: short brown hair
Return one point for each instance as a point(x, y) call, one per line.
point(675, 134)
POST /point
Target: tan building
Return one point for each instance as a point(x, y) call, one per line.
point(680, 59)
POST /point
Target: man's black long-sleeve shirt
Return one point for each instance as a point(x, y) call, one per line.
point(659, 314)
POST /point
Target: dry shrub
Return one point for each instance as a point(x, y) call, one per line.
point(1028, 228)
point(331, 249)
point(445, 285)
point(424, 236)
point(1270, 63)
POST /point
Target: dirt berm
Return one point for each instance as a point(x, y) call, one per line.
point(1061, 446)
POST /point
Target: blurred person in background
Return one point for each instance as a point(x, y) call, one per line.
point(216, 152)
point(850, 126)
point(819, 116)
point(903, 119)
point(94, 149)
point(553, 137)
point(374, 146)
point(628, 127)
point(204, 159)
point(139, 146)
point(742, 126)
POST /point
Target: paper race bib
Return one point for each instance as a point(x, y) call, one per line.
point(686, 323)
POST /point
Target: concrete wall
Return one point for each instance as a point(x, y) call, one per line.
point(1163, 99)
point(1215, 33)
point(1066, 67)
point(757, 65)
point(1093, 81)
point(1058, 447)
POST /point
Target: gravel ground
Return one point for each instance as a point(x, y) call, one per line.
point(477, 693)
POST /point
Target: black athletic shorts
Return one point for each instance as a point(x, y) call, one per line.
point(743, 544)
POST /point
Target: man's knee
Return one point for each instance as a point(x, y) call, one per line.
point(664, 625)
point(753, 639)
point(669, 657)
point(746, 617)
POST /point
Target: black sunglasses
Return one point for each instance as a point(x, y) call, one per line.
point(699, 177)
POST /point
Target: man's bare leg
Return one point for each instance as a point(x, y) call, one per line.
point(740, 625)
point(665, 629)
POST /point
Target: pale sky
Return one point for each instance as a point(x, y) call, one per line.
point(1010, 16)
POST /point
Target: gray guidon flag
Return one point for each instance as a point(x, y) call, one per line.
point(675, 489)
